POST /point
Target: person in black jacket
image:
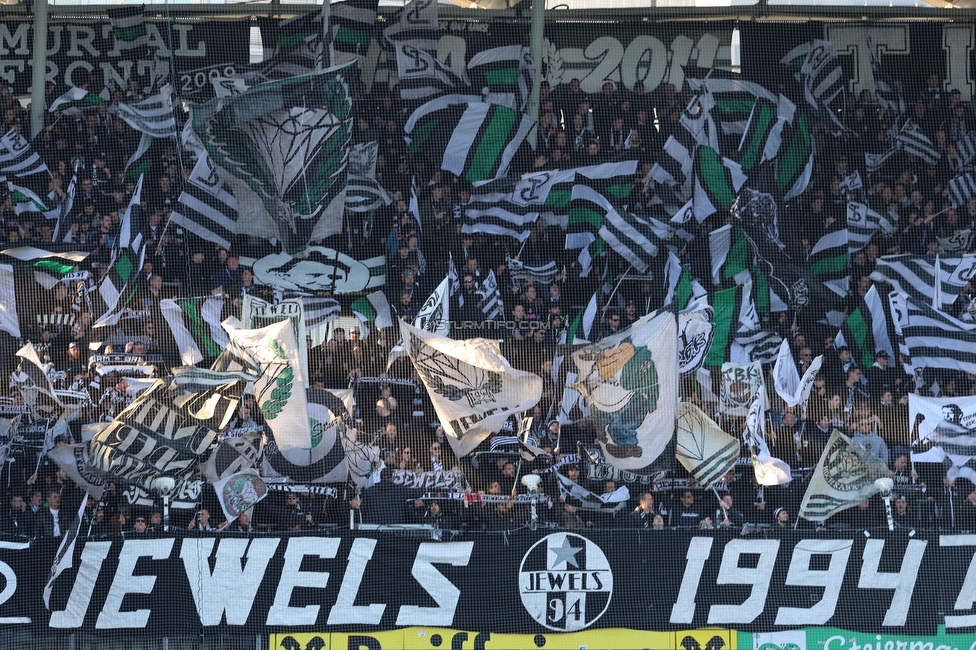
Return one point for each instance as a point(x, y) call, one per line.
point(16, 521)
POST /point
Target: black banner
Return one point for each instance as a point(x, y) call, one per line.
point(537, 582)
point(622, 53)
point(202, 50)
point(907, 52)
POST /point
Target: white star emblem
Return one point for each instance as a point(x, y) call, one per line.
point(565, 553)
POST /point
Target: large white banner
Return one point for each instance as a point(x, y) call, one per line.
point(472, 386)
point(631, 381)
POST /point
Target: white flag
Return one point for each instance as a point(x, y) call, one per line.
point(472, 386)
point(769, 470)
point(787, 381)
point(631, 381)
point(844, 478)
point(239, 492)
point(272, 354)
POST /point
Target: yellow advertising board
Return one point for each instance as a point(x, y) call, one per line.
point(428, 638)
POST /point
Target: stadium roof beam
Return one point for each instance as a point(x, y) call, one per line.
point(964, 10)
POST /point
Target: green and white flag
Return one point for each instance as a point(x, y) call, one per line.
point(352, 23)
point(272, 354)
point(631, 381)
point(282, 149)
point(74, 101)
point(471, 139)
point(195, 327)
point(844, 477)
point(716, 181)
point(829, 262)
point(703, 448)
point(865, 330)
point(128, 27)
point(128, 254)
point(325, 460)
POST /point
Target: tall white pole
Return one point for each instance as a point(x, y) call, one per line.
point(535, 50)
point(40, 67)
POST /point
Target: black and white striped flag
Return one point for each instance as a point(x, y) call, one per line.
point(153, 115)
point(491, 299)
point(916, 276)
point(911, 140)
point(889, 99)
point(962, 190)
point(205, 207)
point(319, 312)
point(544, 274)
point(966, 149)
point(862, 224)
point(501, 218)
point(18, 158)
point(928, 338)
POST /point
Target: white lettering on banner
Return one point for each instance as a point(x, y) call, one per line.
point(7, 69)
point(967, 593)
point(958, 43)
point(902, 582)
point(183, 49)
point(281, 613)
point(110, 75)
point(683, 610)
point(81, 35)
point(345, 611)
point(16, 42)
point(125, 582)
point(886, 39)
point(646, 59)
point(10, 582)
point(442, 590)
point(231, 587)
point(731, 573)
point(70, 71)
point(74, 612)
point(831, 579)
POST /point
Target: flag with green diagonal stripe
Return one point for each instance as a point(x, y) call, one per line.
point(119, 284)
point(794, 165)
point(716, 181)
point(865, 330)
point(828, 259)
point(504, 73)
point(471, 139)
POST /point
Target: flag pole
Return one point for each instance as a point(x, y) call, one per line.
point(619, 282)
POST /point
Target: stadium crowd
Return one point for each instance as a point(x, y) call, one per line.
point(575, 129)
